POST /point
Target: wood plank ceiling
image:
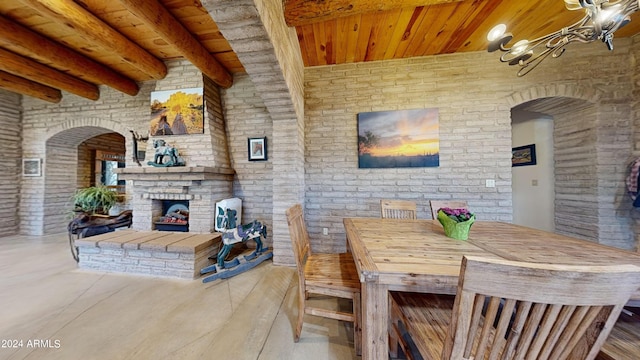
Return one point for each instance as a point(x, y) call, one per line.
point(75, 45)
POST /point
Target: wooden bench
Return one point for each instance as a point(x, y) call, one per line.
point(624, 341)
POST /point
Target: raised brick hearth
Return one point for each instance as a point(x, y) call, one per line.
point(157, 253)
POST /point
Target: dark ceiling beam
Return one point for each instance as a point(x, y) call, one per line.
point(34, 71)
point(303, 12)
point(156, 16)
point(94, 30)
point(25, 41)
point(23, 86)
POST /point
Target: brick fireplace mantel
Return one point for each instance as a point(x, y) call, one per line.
point(176, 173)
point(201, 186)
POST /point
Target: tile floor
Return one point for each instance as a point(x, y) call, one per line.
point(49, 310)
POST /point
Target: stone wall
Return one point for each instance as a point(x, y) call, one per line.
point(11, 164)
point(474, 93)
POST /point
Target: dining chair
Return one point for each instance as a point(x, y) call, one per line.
point(398, 209)
point(451, 204)
point(332, 275)
point(514, 310)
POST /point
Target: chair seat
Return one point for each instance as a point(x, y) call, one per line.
point(332, 271)
point(425, 319)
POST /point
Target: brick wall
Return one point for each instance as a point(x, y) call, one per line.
point(11, 164)
point(53, 132)
point(247, 117)
point(474, 93)
point(270, 53)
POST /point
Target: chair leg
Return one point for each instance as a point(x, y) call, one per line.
point(393, 335)
point(357, 328)
point(301, 304)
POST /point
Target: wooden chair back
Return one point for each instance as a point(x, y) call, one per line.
point(398, 209)
point(327, 274)
point(299, 240)
point(452, 204)
point(538, 311)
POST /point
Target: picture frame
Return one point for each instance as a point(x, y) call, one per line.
point(523, 155)
point(177, 112)
point(32, 167)
point(399, 138)
point(257, 148)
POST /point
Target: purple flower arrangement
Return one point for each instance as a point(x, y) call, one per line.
point(458, 215)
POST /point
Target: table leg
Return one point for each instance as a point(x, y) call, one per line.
point(375, 321)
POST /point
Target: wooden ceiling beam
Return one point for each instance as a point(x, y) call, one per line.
point(94, 30)
point(34, 71)
point(16, 36)
point(304, 12)
point(156, 16)
point(23, 86)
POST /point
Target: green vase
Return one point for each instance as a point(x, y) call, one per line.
point(454, 229)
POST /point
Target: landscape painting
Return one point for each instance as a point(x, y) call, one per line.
point(402, 138)
point(177, 112)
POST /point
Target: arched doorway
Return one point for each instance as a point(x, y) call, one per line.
point(73, 160)
point(591, 144)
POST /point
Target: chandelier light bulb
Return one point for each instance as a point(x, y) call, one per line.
point(573, 4)
point(520, 47)
point(496, 32)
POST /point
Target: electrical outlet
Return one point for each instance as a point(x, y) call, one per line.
point(325, 231)
point(534, 182)
point(490, 183)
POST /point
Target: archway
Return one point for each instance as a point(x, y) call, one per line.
point(67, 166)
point(590, 151)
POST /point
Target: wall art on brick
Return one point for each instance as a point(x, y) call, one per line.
point(399, 139)
point(177, 112)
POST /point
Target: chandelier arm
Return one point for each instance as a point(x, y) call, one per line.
point(601, 20)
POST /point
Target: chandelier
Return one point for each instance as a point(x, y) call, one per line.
point(602, 18)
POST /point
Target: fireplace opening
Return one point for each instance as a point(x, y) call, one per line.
point(175, 216)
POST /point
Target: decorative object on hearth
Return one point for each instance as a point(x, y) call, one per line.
point(94, 200)
point(86, 225)
point(233, 235)
point(137, 154)
point(91, 208)
point(456, 222)
point(165, 155)
point(602, 18)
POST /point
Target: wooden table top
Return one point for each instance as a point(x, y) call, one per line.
point(415, 255)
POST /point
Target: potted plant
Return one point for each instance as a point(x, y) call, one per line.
point(456, 222)
point(95, 200)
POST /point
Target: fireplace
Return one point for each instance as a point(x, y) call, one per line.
point(197, 188)
point(175, 216)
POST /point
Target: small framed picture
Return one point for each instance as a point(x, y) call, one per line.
point(257, 148)
point(31, 167)
point(523, 155)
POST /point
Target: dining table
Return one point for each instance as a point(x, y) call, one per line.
point(416, 256)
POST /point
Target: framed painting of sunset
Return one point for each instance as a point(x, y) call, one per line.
point(399, 139)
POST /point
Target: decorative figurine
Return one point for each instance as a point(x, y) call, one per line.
point(164, 150)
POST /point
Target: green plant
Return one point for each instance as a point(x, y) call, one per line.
point(95, 199)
